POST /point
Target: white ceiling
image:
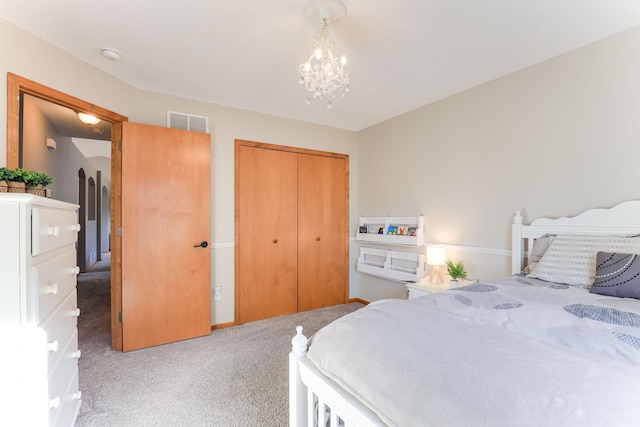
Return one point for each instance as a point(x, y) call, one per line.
point(402, 54)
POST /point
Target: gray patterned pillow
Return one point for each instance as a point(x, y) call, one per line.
point(617, 275)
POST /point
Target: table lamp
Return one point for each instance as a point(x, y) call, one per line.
point(436, 257)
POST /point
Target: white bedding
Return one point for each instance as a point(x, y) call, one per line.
point(521, 352)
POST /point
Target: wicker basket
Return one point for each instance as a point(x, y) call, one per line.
point(16, 187)
point(38, 191)
point(3, 186)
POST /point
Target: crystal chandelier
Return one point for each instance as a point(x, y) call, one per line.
point(324, 74)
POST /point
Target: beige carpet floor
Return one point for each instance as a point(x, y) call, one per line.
point(234, 377)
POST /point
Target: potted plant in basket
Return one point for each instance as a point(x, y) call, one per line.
point(36, 182)
point(15, 180)
point(3, 181)
point(456, 271)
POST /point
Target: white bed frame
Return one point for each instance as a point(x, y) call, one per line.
point(623, 219)
point(311, 393)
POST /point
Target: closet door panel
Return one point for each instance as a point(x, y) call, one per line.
point(266, 235)
point(323, 233)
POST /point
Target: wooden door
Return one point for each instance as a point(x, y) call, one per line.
point(266, 223)
point(323, 233)
point(165, 214)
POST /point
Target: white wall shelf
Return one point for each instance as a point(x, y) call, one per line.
point(393, 265)
point(396, 230)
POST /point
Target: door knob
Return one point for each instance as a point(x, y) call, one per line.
point(202, 244)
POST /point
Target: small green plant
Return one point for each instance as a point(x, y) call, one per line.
point(15, 175)
point(30, 178)
point(45, 179)
point(456, 271)
point(3, 173)
point(33, 179)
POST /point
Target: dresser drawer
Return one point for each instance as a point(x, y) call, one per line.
point(70, 406)
point(64, 397)
point(23, 376)
point(55, 279)
point(59, 326)
point(52, 228)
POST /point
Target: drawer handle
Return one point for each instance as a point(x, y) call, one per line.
point(76, 312)
point(53, 346)
point(54, 403)
point(77, 395)
point(76, 354)
point(53, 289)
point(53, 231)
point(76, 227)
point(76, 270)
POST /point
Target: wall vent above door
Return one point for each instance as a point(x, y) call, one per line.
point(186, 121)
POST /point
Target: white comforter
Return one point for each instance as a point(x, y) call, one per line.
point(521, 352)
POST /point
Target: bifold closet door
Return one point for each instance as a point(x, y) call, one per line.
point(323, 234)
point(266, 235)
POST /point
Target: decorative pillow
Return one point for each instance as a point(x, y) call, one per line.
point(571, 258)
point(540, 246)
point(617, 275)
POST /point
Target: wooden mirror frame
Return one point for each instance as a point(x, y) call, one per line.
point(17, 85)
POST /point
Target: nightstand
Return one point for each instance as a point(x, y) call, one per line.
point(419, 289)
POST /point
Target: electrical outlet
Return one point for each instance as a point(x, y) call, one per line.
point(217, 293)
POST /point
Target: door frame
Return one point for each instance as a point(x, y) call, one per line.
point(17, 85)
point(237, 195)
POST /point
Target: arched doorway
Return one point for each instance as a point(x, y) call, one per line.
point(82, 215)
point(105, 220)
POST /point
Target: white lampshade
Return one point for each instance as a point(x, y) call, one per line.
point(436, 255)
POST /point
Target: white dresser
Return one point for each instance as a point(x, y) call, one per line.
point(38, 277)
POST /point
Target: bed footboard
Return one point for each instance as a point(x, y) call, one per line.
point(315, 400)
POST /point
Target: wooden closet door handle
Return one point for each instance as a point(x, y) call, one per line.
point(275, 240)
point(317, 239)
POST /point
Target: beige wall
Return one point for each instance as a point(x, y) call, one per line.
point(34, 59)
point(552, 140)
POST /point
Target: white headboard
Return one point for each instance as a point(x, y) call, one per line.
point(623, 219)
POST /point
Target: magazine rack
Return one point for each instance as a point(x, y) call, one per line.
point(392, 230)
